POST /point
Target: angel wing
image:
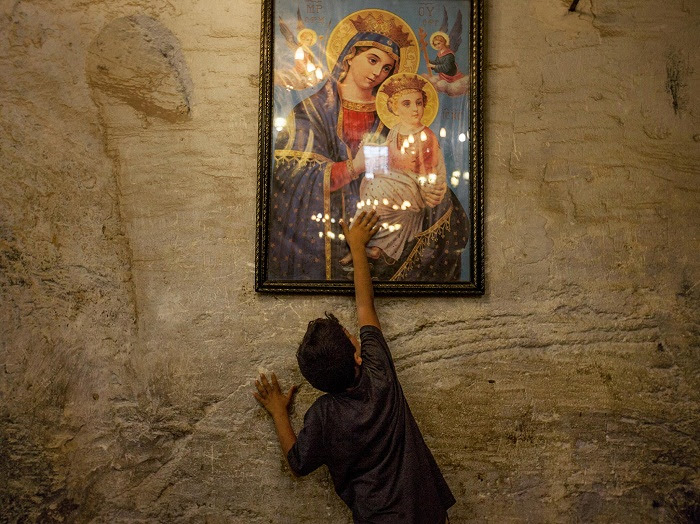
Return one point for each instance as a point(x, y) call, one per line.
point(300, 21)
point(288, 35)
point(456, 33)
point(287, 32)
point(322, 38)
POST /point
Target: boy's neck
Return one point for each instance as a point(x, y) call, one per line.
point(406, 129)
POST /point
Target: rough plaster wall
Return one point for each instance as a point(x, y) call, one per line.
point(131, 334)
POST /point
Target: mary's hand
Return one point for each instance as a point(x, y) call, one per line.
point(358, 163)
point(433, 194)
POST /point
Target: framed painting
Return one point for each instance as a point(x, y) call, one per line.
point(368, 104)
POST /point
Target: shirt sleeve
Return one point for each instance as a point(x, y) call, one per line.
point(308, 453)
point(375, 350)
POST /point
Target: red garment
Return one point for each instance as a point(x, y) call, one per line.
point(356, 124)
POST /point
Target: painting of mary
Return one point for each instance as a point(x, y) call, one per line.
point(318, 164)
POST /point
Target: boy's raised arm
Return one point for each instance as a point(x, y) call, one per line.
point(357, 236)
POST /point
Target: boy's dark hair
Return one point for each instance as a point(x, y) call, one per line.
point(326, 355)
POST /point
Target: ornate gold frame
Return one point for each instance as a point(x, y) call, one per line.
point(475, 286)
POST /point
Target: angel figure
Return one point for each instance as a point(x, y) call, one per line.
point(307, 70)
point(448, 79)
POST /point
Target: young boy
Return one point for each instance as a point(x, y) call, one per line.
point(362, 428)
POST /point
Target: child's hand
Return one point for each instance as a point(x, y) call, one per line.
point(362, 229)
point(433, 193)
point(271, 397)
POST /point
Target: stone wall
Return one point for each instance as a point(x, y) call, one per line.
point(130, 331)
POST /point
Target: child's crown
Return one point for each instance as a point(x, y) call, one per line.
point(396, 84)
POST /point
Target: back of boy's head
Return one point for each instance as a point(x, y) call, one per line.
point(326, 355)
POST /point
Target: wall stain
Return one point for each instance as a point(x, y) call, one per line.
point(677, 72)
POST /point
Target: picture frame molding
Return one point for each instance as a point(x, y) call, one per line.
point(474, 287)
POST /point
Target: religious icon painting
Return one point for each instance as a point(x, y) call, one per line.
point(368, 105)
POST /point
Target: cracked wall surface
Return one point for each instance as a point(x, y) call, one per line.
point(130, 331)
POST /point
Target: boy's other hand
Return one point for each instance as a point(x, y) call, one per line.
point(271, 397)
point(362, 229)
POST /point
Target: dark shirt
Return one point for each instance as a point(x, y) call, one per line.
point(376, 455)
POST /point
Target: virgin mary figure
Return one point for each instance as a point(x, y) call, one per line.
point(318, 159)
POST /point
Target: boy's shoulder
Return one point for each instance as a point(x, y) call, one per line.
point(318, 409)
point(372, 335)
point(375, 349)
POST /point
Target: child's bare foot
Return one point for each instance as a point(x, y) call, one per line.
point(374, 252)
point(346, 259)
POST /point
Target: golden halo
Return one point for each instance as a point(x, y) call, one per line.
point(307, 31)
point(389, 119)
point(439, 33)
point(345, 30)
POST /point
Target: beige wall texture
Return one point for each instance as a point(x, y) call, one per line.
point(131, 334)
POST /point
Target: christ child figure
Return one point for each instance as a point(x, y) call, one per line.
point(415, 173)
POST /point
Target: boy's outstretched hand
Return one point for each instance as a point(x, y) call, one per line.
point(362, 229)
point(271, 397)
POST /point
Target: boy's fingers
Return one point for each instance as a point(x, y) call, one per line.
point(292, 391)
point(265, 383)
point(259, 387)
point(374, 226)
point(275, 384)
